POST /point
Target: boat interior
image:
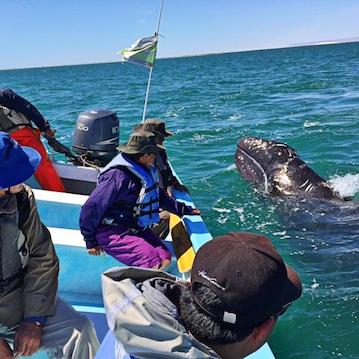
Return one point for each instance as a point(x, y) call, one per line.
point(80, 273)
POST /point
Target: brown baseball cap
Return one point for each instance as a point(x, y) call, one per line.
point(153, 125)
point(249, 277)
point(140, 142)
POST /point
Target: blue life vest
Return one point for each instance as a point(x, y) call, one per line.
point(146, 208)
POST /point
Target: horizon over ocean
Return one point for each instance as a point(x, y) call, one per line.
point(329, 43)
point(307, 97)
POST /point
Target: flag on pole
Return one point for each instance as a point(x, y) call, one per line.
point(142, 52)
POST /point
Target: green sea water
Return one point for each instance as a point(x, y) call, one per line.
point(307, 97)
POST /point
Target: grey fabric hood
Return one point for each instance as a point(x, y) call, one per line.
point(143, 319)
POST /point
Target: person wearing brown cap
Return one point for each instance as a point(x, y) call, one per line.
point(118, 216)
point(167, 178)
point(239, 287)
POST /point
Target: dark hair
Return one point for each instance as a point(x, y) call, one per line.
point(204, 327)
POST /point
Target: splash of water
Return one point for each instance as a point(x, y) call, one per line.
point(347, 185)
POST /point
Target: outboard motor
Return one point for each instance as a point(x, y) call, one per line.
point(96, 137)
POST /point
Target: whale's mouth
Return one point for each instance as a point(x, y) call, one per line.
point(250, 168)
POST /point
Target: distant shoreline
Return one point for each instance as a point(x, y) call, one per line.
point(322, 43)
point(319, 43)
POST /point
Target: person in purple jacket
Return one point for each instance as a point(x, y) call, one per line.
point(118, 215)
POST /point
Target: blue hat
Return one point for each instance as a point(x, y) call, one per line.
point(17, 164)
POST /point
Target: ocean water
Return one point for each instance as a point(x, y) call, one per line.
point(307, 97)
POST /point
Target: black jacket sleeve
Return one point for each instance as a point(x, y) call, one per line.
point(13, 101)
point(168, 178)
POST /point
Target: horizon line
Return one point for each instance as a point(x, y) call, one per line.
point(319, 43)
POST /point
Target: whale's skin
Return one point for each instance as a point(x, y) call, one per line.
point(277, 169)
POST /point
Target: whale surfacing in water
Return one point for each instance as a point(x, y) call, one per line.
point(277, 169)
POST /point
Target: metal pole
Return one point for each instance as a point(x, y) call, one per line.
point(159, 18)
point(150, 74)
point(146, 98)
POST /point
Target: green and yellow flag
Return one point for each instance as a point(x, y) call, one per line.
point(142, 52)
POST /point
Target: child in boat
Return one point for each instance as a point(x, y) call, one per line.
point(118, 215)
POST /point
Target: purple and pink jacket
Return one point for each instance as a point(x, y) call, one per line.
point(115, 186)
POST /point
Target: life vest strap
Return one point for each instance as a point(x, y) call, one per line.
point(149, 189)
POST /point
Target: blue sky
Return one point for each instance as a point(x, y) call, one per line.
point(47, 32)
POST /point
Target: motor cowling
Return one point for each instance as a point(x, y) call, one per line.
point(96, 136)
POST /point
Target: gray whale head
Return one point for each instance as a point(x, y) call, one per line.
point(277, 169)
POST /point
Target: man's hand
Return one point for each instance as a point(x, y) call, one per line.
point(49, 132)
point(96, 251)
point(27, 339)
point(5, 350)
point(196, 212)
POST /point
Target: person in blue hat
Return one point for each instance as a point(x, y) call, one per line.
point(31, 315)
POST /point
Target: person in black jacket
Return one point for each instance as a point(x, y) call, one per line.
point(16, 118)
point(167, 179)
